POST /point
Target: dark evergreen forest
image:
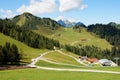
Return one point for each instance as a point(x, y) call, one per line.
point(109, 32)
point(9, 54)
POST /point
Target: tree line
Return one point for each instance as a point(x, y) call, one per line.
point(94, 52)
point(9, 54)
point(26, 36)
point(109, 32)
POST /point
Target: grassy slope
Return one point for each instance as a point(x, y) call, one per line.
point(60, 58)
point(28, 51)
point(32, 52)
point(36, 74)
point(107, 68)
point(21, 21)
point(70, 53)
point(48, 32)
point(69, 36)
point(46, 64)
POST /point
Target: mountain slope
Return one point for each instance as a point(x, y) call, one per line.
point(106, 31)
point(72, 37)
point(61, 23)
point(33, 22)
point(28, 52)
point(45, 27)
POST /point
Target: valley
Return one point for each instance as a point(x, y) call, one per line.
point(48, 47)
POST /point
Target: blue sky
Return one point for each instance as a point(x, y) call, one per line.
point(86, 11)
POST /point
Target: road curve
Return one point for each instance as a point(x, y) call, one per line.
point(35, 60)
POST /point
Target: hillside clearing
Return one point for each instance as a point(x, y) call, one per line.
point(28, 52)
point(69, 36)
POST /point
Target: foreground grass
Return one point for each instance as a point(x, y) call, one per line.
point(28, 52)
point(117, 69)
point(46, 64)
point(37, 74)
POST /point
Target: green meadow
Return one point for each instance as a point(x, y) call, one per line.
point(72, 37)
point(47, 64)
point(27, 52)
point(38, 74)
point(60, 58)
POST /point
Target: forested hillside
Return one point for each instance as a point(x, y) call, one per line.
point(26, 36)
point(32, 22)
point(109, 32)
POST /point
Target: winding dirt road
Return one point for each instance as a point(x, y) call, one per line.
point(35, 60)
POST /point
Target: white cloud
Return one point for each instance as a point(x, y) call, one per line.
point(6, 13)
point(82, 7)
point(39, 7)
point(60, 18)
point(64, 18)
point(72, 19)
point(66, 5)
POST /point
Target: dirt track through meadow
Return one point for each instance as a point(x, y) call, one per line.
point(35, 60)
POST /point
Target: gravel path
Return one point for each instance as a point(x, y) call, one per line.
point(35, 60)
point(77, 70)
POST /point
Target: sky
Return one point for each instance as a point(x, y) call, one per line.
point(86, 11)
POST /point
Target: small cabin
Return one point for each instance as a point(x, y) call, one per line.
point(92, 60)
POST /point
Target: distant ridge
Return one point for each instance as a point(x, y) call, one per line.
point(33, 22)
point(67, 23)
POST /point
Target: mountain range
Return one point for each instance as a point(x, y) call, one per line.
point(35, 23)
point(67, 23)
